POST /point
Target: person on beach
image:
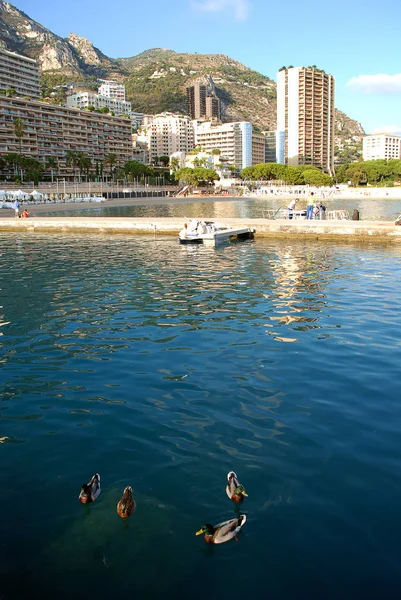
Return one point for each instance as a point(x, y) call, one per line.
point(309, 208)
point(25, 214)
point(291, 208)
point(16, 209)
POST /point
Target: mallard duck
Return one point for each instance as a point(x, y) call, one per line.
point(223, 532)
point(90, 491)
point(235, 491)
point(127, 504)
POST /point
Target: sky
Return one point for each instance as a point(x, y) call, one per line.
point(357, 41)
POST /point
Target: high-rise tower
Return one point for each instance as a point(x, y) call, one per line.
point(305, 118)
point(202, 100)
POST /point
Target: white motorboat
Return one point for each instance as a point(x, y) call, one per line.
point(211, 234)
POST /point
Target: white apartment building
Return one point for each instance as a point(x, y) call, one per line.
point(86, 99)
point(381, 145)
point(305, 117)
point(112, 89)
point(19, 73)
point(234, 140)
point(168, 133)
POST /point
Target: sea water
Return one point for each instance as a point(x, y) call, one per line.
point(164, 367)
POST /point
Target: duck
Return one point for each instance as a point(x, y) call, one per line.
point(127, 505)
point(223, 532)
point(90, 491)
point(234, 490)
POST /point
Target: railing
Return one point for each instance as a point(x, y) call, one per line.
point(337, 214)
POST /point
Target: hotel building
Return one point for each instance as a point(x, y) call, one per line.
point(86, 99)
point(19, 73)
point(51, 130)
point(381, 145)
point(112, 89)
point(305, 117)
point(234, 140)
point(167, 133)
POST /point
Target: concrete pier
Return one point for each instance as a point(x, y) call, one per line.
point(297, 229)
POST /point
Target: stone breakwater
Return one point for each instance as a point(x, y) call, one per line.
point(296, 229)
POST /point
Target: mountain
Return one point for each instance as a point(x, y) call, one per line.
point(156, 79)
point(74, 55)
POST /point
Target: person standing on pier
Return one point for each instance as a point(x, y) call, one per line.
point(291, 208)
point(309, 208)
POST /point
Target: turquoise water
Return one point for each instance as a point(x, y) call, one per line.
point(163, 367)
point(369, 209)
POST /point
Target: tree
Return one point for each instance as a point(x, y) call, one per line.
point(164, 160)
point(51, 163)
point(84, 164)
point(216, 151)
point(72, 159)
point(134, 169)
point(315, 177)
point(175, 163)
point(110, 160)
point(199, 176)
point(19, 131)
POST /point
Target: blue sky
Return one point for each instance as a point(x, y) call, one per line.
point(357, 41)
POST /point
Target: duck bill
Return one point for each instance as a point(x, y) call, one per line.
point(199, 532)
point(245, 494)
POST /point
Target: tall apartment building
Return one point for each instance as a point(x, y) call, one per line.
point(167, 133)
point(305, 117)
point(258, 148)
point(112, 89)
point(51, 130)
point(19, 73)
point(381, 145)
point(202, 100)
point(234, 140)
point(270, 146)
point(86, 99)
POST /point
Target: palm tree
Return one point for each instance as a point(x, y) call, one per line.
point(72, 159)
point(84, 164)
point(110, 160)
point(19, 131)
point(175, 163)
point(51, 163)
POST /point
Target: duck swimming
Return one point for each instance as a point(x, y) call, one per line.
point(223, 532)
point(90, 491)
point(127, 505)
point(234, 490)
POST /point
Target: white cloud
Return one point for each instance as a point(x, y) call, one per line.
point(376, 84)
point(239, 8)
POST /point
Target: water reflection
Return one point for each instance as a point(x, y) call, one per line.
point(369, 209)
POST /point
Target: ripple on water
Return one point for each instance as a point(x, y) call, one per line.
point(164, 367)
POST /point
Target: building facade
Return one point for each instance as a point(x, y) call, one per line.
point(112, 89)
point(167, 133)
point(19, 73)
point(305, 117)
point(202, 101)
point(52, 131)
point(86, 99)
point(234, 140)
point(258, 148)
point(381, 145)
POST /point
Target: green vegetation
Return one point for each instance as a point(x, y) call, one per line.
point(304, 174)
point(199, 176)
point(375, 172)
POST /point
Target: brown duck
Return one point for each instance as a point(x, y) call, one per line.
point(127, 505)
